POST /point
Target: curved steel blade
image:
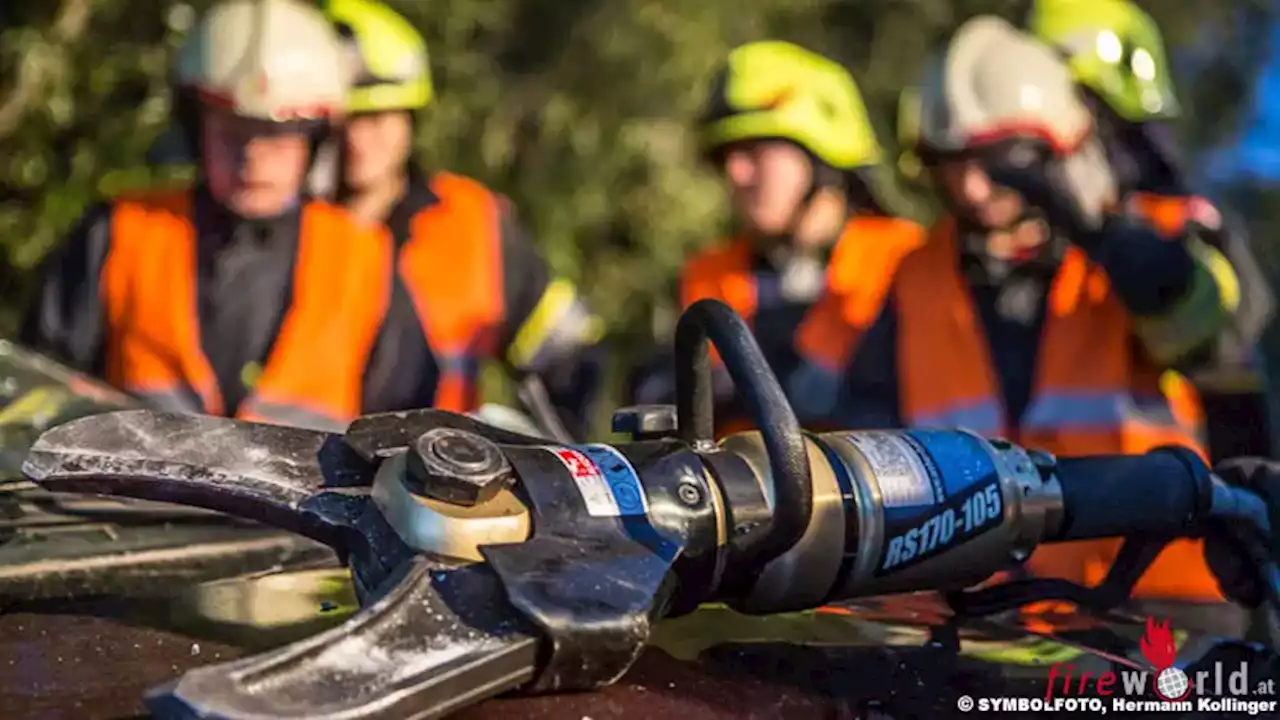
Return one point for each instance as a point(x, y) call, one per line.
point(383, 434)
point(442, 639)
point(291, 478)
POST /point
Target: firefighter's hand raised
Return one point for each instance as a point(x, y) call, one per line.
point(1073, 192)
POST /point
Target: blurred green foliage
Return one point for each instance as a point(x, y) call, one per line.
point(580, 110)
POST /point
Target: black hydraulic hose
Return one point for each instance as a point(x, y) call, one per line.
point(759, 388)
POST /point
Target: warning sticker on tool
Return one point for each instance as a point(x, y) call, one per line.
point(608, 483)
point(903, 479)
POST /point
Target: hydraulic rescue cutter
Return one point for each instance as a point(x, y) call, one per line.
point(488, 562)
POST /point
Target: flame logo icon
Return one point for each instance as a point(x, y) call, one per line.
point(1160, 649)
point(1157, 644)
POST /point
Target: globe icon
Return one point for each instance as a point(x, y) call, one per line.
point(1171, 684)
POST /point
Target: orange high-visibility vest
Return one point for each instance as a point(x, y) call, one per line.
point(858, 277)
point(1094, 393)
point(314, 374)
point(858, 284)
point(452, 269)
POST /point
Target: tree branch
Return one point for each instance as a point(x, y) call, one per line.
point(35, 69)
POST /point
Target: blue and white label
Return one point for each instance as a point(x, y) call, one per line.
point(946, 493)
point(607, 481)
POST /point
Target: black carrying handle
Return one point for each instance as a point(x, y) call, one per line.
point(1168, 492)
point(714, 321)
point(1162, 493)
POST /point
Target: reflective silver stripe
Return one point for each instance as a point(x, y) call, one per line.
point(464, 364)
point(983, 417)
point(292, 415)
point(1096, 411)
point(1090, 411)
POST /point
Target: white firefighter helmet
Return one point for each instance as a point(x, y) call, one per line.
point(275, 60)
point(994, 81)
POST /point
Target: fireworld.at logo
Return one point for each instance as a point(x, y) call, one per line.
point(1168, 682)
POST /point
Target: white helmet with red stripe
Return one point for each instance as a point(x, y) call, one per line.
point(994, 81)
point(274, 60)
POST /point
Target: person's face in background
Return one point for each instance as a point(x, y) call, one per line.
point(768, 179)
point(377, 147)
point(255, 168)
point(975, 197)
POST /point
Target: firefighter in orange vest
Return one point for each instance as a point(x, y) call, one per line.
point(240, 296)
point(470, 285)
point(1183, 397)
point(1036, 310)
point(790, 133)
point(1117, 56)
